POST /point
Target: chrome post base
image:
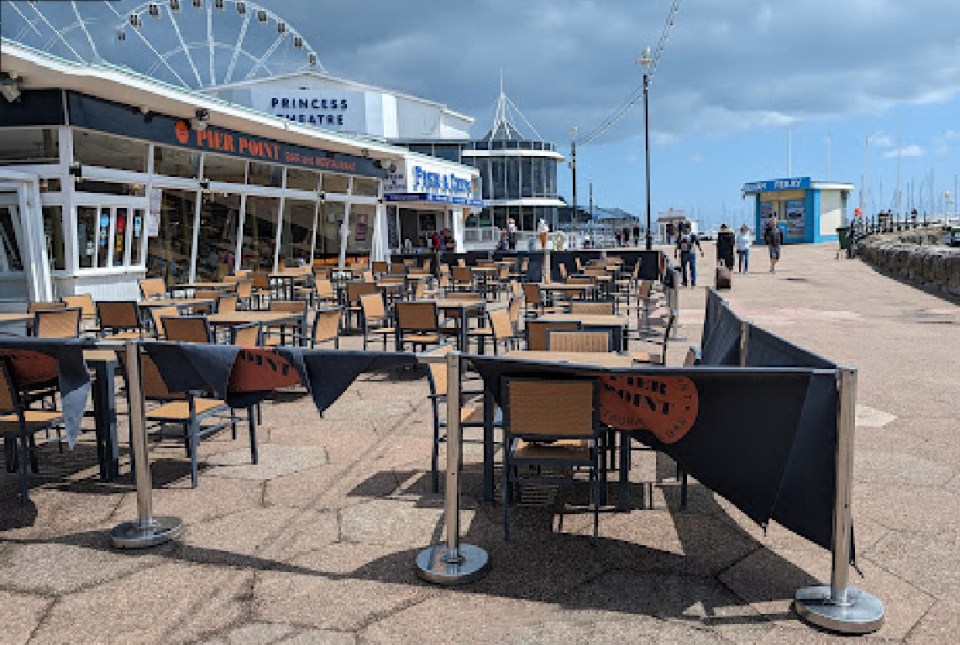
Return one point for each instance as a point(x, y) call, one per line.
point(434, 565)
point(133, 535)
point(862, 614)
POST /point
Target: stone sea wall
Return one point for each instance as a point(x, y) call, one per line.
point(912, 257)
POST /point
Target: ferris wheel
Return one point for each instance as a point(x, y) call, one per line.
point(194, 44)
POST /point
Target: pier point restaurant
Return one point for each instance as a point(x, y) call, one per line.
point(107, 177)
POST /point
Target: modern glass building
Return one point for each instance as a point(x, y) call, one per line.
point(518, 176)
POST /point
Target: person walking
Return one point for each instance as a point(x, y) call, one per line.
point(512, 234)
point(636, 235)
point(726, 241)
point(686, 242)
point(773, 236)
point(744, 241)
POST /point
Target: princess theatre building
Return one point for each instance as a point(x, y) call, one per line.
point(107, 177)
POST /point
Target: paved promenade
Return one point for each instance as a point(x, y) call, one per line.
point(317, 543)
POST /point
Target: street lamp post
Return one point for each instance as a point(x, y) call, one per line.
point(573, 168)
point(645, 61)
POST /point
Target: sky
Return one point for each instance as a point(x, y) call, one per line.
point(744, 90)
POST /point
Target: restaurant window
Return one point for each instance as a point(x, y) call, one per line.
point(50, 185)
point(328, 227)
point(136, 242)
point(366, 187)
point(227, 169)
point(526, 177)
point(168, 253)
point(296, 235)
point(10, 259)
point(513, 178)
point(176, 162)
point(121, 228)
point(336, 184)
point(108, 151)
point(29, 145)
point(499, 216)
point(217, 235)
point(53, 231)
point(299, 179)
point(259, 233)
point(361, 227)
point(87, 217)
point(265, 174)
point(103, 238)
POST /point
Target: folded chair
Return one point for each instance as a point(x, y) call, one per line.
point(550, 425)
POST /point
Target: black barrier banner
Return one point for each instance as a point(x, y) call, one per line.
point(773, 458)
point(243, 376)
point(36, 361)
point(721, 335)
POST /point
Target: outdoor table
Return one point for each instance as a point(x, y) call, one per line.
point(482, 275)
point(606, 360)
point(104, 364)
point(615, 323)
point(234, 318)
point(465, 309)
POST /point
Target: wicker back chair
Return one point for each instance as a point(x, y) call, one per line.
point(537, 332)
point(579, 341)
point(187, 329)
point(376, 322)
point(326, 328)
point(57, 323)
point(247, 335)
point(157, 314)
point(152, 288)
point(88, 309)
point(550, 424)
point(417, 324)
point(604, 308)
point(119, 318)
point(227, 303)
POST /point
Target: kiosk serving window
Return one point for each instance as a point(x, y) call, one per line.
point(108, 151)
point(29, 145)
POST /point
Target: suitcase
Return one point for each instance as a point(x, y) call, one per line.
point(722, 279)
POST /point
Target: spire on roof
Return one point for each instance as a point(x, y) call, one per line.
point(507, 112)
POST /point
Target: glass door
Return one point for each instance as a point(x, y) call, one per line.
point(11, 259)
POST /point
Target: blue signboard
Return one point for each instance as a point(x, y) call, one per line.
point(771, 185)
point(432, 197)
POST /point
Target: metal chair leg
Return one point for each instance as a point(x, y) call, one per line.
point(252, 423)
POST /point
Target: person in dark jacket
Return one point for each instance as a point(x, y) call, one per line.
point(726, 241)
point(773, 236)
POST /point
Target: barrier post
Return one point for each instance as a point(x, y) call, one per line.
point(744, 337)
point(453, 563)
point(547, 267)
point(675, 306)
point(839, 607)
point(146, 530)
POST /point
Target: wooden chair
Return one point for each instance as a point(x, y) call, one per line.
point(375, 321)
point(88, 310)
point(579, 341)
point(537, 332)
point(596, 307)
point(19, 426)
point(186, 329)
point(550, 425)
point(57, 323)
point(661, 357)
point(260, 287)
point(276, 334)
point(499, 332)
point(191, 412)
point(157, 314)
point(246, 335)
point(34, 307)
point(354, 291)
point(213, 295)
point(119, 319)
point(151, 288)
point(226, 303)
point(380, 267)
point(417, 324)
point(535, 303)
point(462, 278)
point(324, 291)
point(326, 328)
point(244, 293)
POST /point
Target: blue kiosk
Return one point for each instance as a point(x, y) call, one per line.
point(806, 211)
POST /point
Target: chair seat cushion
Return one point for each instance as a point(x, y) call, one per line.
point(180, 410)
point(562, 450)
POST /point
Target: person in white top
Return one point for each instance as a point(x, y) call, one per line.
point(744, 240)
point(543, 229)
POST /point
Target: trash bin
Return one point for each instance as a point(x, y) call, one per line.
point(843, 233)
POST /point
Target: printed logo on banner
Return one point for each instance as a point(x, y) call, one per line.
point(182, 130)
point(667, 406)
point(261, 370)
